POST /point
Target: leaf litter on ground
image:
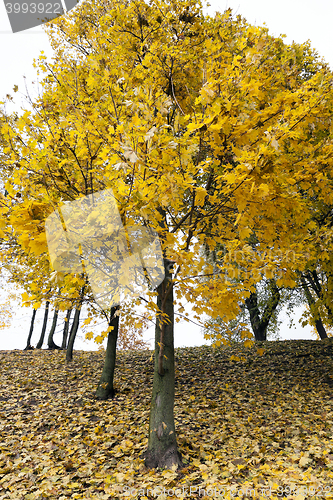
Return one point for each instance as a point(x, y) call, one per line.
point(248, 425)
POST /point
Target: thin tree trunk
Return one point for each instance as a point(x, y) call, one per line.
point(320, 329)
point(42, 335)
point(72, 336)
point(260, 325)
point(313, 279)
point(75, 327)
point(162, 443)
point(29, 346)
point(50, 342)
point(316, 316)
point(105, 388)
point(66, 328)
point(270, 307)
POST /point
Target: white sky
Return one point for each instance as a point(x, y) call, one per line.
point(300, 20)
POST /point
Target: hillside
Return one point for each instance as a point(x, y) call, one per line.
point(264, 423)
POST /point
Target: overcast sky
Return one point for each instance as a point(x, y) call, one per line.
point(300, 20)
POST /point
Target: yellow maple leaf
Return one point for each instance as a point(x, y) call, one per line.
point(200, 195)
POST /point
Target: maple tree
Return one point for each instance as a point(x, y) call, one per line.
point(66, 329)
point(259, 312)
point(105, 387)
point(29, 346)
point(42, 334)
point(313, 310)
point(206, 129)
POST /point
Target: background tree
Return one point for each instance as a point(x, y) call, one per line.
point(66, 329)
point(42, 335)
point(105, 387)
point(259, 313)
point(50, 342)
point(29, 346)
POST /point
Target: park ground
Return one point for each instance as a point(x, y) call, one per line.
point(251, 423)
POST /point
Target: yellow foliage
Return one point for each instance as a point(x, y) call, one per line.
point(215, 158)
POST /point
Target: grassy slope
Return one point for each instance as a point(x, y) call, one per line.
point(265, 421)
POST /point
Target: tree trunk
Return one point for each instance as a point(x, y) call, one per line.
point(50, 342)
point(316, 316)
point(42, 335)
point(66, 328)
point(270, 306)
point(313, 279)
point(320, 328)
point(74, 329)
point(252, 306)
point(259, 325)
point(162, 443)
point(29, 346)
point(105, 388)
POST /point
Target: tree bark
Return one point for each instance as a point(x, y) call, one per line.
point(42, 335)
point(72, 336)
point(50, 342)
point(320, 328)
point(316, 316)
point(66, 328)
point(313, 279)
point(162, 443)
point(259, 325)
point(29, 346)
point(252, 306)
point(105, 388)
point(74, 328)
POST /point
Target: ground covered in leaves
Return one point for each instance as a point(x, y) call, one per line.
point(260, 427)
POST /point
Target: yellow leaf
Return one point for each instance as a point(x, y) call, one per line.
point(73, 485)
point(304, 461)
point(136, 120)
point(245, 232)
point(263, 190)
point(89, 335)
point(238, 218)
point(200, 194)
